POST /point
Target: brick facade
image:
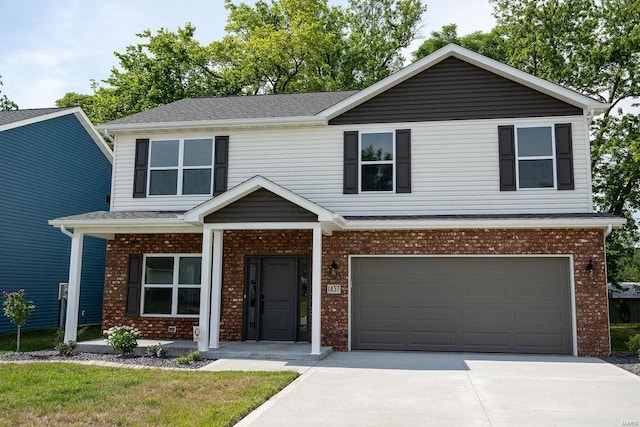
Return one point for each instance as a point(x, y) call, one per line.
point(583, 244)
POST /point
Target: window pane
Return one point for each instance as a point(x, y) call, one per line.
point(536, 173)
point(163, 182)
point(189, 273)
point(196, 181)
point(377, 177)
point(164, 153)
point(377, 146)
point(159, 271)
point(188, 300)
point(157, 300)
point(198, 152)
point(534, 141)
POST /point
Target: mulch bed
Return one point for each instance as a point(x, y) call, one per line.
point(53, 356)
point(625, 360)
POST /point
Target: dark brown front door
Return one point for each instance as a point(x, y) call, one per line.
point(277, 299)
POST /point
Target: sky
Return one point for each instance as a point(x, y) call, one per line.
point(49, 48)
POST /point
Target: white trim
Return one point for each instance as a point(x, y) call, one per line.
point(73, 296)
point(266, 122)
point(216, 288)
point(464, 223)
point(205, 289)
point(569, 257)
point(82, 118)
point(197, 214)
point(587, 148)
point(316, 292)
point(452, 50)
point(552, 157)
point(175, 286)
point(263, 225)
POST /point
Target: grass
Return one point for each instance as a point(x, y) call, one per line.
point(70, 394)
point(42, 339)
point(620, 334)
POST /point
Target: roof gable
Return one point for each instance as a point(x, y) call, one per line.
point(279, 197)
point(453, 89)
point(17, 118)
point(452, 50)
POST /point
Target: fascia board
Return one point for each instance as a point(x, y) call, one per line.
point(149, 222)
point(38, 119)
point(483, 223)
point(222, 124)
point(508, 72)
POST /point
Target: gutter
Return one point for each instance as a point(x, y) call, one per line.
point(64, 231)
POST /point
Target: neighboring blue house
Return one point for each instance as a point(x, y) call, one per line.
point(52, 163)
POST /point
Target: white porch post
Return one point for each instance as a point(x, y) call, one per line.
point(216, 290)
point(205, 289)
point(73, 296)
point(316, 306)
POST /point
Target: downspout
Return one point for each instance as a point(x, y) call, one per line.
point(590, 115)
point(65, 231)
point(608, 231)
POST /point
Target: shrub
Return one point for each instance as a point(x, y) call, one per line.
point(194, 356)
point(66, 348)
point(156, 351)
point(123, 339)
point(17, 309)
point(634, 344)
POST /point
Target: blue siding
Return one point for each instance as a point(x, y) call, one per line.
point(47, 170)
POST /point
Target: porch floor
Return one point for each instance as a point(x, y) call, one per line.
point(259, 350)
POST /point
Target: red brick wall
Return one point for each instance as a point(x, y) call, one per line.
point(591, 298)
point(583, 244)
point(115, 286)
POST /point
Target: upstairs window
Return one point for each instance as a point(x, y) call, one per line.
point(535, 148)
point(171, 285)
point(180, 167)
point(377, 166)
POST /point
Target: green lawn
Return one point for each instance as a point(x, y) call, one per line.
point(620, 334)
point(43, 339)
point(70, 394)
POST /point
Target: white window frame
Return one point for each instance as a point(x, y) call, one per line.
point(180, 168)
point(551, 157)
point(377, 162)
point(175, 286)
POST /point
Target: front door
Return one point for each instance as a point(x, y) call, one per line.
point(276, 298)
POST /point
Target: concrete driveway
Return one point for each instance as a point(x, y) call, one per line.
point(449, 389)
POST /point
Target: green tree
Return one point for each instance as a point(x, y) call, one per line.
point(5, 102)
point(488, 44)
point(17, 309)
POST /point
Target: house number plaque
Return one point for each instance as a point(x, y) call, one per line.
point(334, 289)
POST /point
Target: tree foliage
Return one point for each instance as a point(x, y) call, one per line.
point(5, 102)
point(488, 44)
point(277, 47)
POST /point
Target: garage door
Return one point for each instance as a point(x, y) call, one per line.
point(482, 304)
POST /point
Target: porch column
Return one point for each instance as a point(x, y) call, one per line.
point(73, 296)
point(205, 289)
point(216, 289)
point(316, 297)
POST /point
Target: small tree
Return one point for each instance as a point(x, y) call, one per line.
point(17, 309)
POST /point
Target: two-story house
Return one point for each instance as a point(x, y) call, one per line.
point(447, 207)
point(53, 162)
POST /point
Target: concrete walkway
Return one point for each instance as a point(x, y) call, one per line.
point(450, 389)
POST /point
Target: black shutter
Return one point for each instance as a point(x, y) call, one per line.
point(564, 156)
point(403, 161)
point(221, 165)
point(507, 158)
point(134, 285)
point(350, 178)
point(140, 170)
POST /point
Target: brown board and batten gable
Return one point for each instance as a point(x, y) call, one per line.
point(455, 90)
point(261, 206)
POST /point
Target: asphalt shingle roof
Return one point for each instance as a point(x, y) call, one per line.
point(12, 116)
point(238, 107)
point(122, 215)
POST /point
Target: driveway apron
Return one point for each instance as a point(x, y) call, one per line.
point(448, 389)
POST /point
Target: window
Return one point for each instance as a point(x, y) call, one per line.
point(180, 167)
point(377, 166)
point(535, 148)
point(171, 285)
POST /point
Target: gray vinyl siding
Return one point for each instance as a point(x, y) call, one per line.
point(50, 169)
point(261, 206)
point(455, 90)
